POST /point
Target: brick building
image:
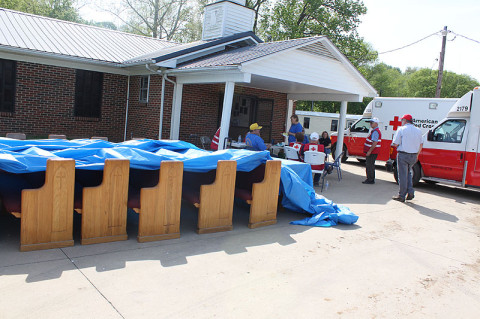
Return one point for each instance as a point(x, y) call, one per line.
point(59, 77)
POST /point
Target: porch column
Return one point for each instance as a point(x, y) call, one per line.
point(176, 111)
point(226, 113)
point(341, 128)
point(289, 115)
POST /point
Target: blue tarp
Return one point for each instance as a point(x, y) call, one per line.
point(296, 178)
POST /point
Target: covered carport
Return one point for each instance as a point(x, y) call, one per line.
point(310, 69)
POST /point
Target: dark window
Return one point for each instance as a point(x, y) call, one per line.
point(88, 93)
point(334, 125)
point(144, 88)
point(306, 122)
point(361, 126)
point(7, 85)
point(450, 131)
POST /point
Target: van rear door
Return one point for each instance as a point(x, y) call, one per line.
point(444, 151)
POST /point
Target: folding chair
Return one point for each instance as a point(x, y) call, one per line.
point(336, 164)
point(206, 141)
point(291, 153)
point(316, 159)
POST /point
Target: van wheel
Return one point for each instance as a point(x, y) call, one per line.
point(417, 173)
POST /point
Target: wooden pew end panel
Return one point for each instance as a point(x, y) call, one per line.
point(160, 205)
point(47, 212)
point(104, 207)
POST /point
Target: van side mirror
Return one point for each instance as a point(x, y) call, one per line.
point(430, 135)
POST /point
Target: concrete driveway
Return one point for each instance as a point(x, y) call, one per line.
point(414, 260)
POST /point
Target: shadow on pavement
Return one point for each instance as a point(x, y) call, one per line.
point(50, 264)
point(433, 213)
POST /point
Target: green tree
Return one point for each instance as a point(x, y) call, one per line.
point(336, 19)
point(58, 9)
point(386, 79)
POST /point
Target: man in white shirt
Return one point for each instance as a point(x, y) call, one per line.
point(409, 143)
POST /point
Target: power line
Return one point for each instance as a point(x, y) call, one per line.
point(457, 34)
point(405, 46)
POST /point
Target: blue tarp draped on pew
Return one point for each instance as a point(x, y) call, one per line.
point(18, 156)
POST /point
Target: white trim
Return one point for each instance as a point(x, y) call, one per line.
point(214, 77)
point(342, 122)
point(289, 115)
point(176, 111)
point(350, 66)
point(226, 114)
point(25, 55)
point(325, 97)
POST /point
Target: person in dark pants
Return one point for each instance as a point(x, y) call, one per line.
point(371, 148)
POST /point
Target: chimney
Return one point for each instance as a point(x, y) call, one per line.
point(224, 18)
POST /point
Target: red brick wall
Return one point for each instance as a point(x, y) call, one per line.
point(44, 105)
point(200, 109)
point(144, 118)
point(45, 102)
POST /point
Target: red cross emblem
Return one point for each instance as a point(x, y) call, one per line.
point(313, 148)
point(395, 123)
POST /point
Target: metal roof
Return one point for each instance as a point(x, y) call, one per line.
point(249, 38)
point(245, 54)
point(41, 34)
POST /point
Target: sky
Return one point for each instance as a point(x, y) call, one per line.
point(391, 24)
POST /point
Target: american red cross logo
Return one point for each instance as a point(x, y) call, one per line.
point(395, 123)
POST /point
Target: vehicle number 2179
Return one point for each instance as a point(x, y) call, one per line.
point(462, 108)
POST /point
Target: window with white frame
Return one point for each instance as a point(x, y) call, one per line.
point(144, 88)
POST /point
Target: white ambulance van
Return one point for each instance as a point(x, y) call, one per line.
point(426, 113)
point(322, 121)
point(450, 153)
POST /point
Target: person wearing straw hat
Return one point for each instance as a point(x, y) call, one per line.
point(254, 141)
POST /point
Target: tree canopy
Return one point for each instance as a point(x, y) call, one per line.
point(336, 19)
point(392, 82)
point(58, 9)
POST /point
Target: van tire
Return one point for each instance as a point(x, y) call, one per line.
point(417, 173)
point(345, 152)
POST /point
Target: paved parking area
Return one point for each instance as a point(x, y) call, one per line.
point(414, 260)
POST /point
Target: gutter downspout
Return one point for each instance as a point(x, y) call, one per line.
point(126, 109)
point(162, 97)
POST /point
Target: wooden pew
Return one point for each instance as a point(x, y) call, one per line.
point(215, 200)
point(104, 207)
point(159, 206)
point(46, 213)
point(260, 188)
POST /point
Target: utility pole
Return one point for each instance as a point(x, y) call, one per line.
point(440, 63)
